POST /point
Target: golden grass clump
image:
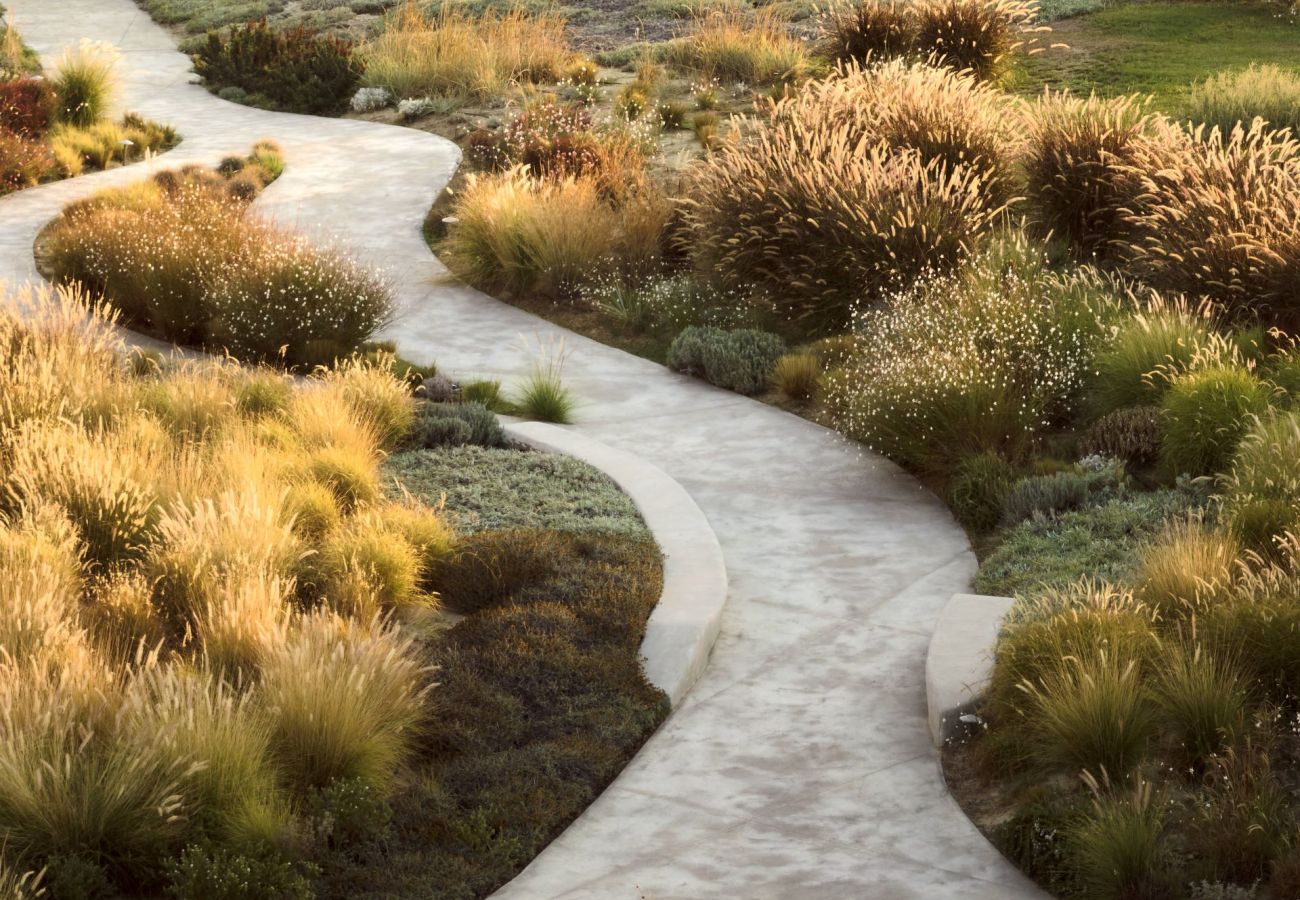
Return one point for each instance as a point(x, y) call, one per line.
point(1186, 565)
point(1074, 155)
point(852, 186)
point(1217, 215)
point(159, 682)
point(349, 699)
point(461, 57)
point(523, 235)
point(733, 44)
point(85, 82)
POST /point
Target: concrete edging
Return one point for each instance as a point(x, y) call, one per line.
point(960, 659)
point(685, 623)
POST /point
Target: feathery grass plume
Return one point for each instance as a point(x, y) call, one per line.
point(209, 549)
point(797, 376)
point(345, 698)
point(519, 234)
point(1244, 822)
point(976, 36)
point(542, 396)
point(1161, 336)
point(1217, 215)
point(461, 57)
point(119, 615)
point(1227, 99)
point(85, 82)
point(866, 31)
point(366, 566)
point(40, 578)
point(1074, 153)
point(1186, 564)
point(1262, 489)
point(375, 395)
point(74, 780)
point(1202, 699)
point(15, 885)
point(98, 477)
point(213, 727)
point(982, 360)
point(734, 44)
point(1258, 620)
point(1090, 712)
point(1118, 851)
point(887, 172)
point(190, 402)
point(54, 337)
point(1083, 620)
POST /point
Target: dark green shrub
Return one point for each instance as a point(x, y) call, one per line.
point(489, 567)
point(296, 69)
point(485, 392)
point(1048, 495)
point(1103, 541)
point(978, 489)
point(1035, 838)
point(1118, 851)
point(1207, 412)
point(456, 424)
point(206, 872)
point(349, 812)
point(75, 877)
point(1244, 821)
point(1131, 434)
point(740, 360)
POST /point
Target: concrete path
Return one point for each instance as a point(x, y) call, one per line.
point(800, 766)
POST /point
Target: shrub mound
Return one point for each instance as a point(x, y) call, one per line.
point(183, 259)
point(886, 171)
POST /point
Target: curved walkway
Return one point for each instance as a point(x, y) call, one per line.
point(800, 765)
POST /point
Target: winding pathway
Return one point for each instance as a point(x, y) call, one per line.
point(800, 765)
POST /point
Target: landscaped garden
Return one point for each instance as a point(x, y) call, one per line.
point(306, 617)
point(57, 125)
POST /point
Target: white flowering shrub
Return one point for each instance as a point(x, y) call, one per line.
point(981, 360)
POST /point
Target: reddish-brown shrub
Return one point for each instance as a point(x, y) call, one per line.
point(23, 163)
point(26, 107)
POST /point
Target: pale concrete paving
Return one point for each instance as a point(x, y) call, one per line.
point(800, 766)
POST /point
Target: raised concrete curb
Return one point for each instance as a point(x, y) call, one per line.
point(960, 659)
point(684, 625)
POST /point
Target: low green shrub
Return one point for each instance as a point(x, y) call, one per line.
point(1098, 542)
point(1207, 412)
point(740, 360)
point(979, 489)
point(1132, 434)
point(492, 489)
point(205, 872)
point(456, 424)
point(295, 69)
point(1049, 495)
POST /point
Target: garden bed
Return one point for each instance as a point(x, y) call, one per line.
point(261, 678)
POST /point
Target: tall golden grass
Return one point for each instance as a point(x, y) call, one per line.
point(851, 186)
point(458, 56)
point(164, 670)
point(734, 44)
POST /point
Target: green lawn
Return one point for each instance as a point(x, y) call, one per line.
point(1160, 48)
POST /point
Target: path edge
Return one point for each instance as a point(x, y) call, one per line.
point(959, 661)
point(684, 624)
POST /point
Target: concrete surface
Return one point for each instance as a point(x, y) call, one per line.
point(800, 765)
point(960, 659)
point(680, 633)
